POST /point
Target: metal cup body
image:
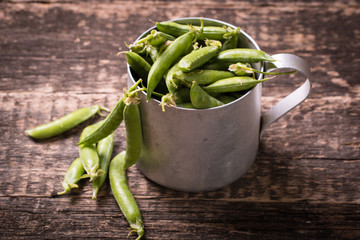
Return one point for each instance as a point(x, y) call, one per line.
point(200, 150)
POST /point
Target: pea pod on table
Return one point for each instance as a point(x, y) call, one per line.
point(72, 176)
point(104, 149)
point(65, 123)
point(122, 193)
point(89, 155)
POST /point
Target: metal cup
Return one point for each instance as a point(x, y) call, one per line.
point(203, 150)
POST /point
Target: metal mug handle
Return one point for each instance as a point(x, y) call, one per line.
point(294, 98)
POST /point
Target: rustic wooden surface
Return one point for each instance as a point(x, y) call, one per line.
point(57, 56)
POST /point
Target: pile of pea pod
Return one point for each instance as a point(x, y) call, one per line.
point(195, 66)
point(96, 149)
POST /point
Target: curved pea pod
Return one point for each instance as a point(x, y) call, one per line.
point(200, 99)
point(140, 66)
point(203, 76)
point(177, 29)
point(89, 156)
point(233, 84)
point(65, 123)
point(123, 196)
point(72, 176)
point(133, 132)
point(243, 55)
point(197, 58)
point(166, 59)
point(111, 122)
point(156, 38)
point(104, 149)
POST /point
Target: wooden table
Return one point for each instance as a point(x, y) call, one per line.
point(58, 56)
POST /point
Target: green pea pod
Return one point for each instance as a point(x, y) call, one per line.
point(232, 38)
point(241, 69)
point(203, 76)
point(233, 84)
point(140, 66)
point(64, 123)
point(197, 58)
point(122, 193)
point(182, 95)
point(89, 156)
point(177, 29)
point(225, 98)
point(156, 38)
point(166, 59)
point(111, 122)
point(72, 176)
point(216, 65)
point(244, 55)
point(172, 83)
point(200, 99)
point(152, 51)
point(104, 149)
point(188, 105)
point(133, 133)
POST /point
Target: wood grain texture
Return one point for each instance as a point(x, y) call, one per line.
point(58, 56)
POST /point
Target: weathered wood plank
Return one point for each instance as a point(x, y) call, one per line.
point(73, 218)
